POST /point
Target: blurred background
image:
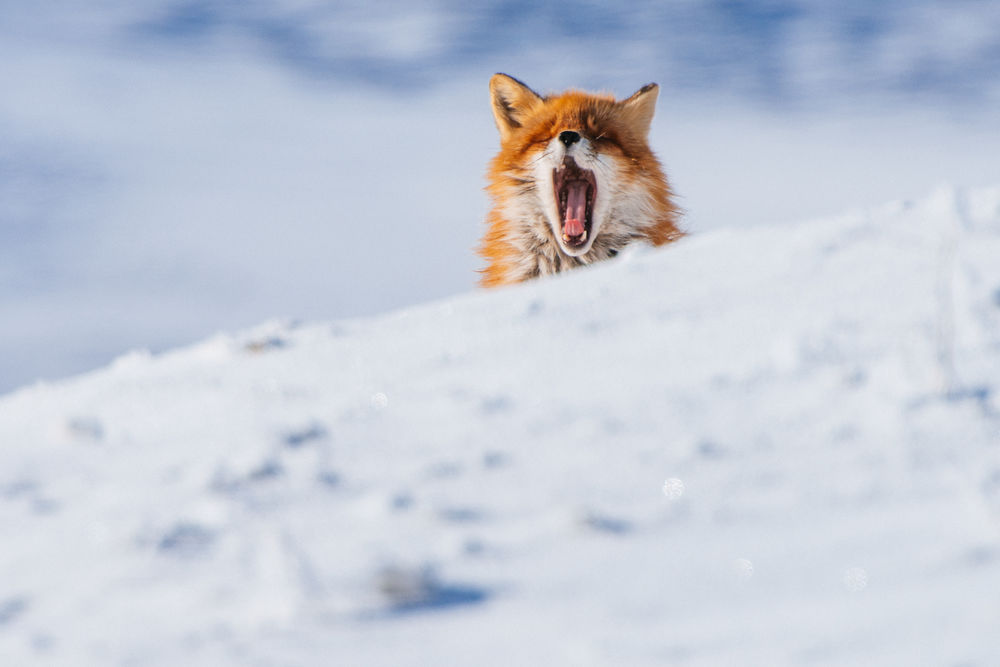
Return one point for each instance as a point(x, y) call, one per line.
point(172, 168)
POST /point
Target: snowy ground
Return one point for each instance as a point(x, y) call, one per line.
point(775, 445)
point(169, 169)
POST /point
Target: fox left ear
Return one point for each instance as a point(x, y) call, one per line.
point(640, 107)
point(512, 102)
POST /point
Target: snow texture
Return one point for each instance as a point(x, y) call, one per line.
point(777, 445)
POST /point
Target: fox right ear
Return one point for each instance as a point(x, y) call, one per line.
point(639, 108)
point(512, 102)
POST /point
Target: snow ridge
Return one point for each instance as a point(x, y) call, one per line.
point(763, 446)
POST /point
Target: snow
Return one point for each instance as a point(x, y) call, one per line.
point(772, 443)
point(766, 445)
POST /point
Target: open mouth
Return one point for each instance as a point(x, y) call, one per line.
point(575, 189)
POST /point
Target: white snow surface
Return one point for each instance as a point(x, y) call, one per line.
point(760, 446)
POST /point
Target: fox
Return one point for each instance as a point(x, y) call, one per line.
point(574, 182)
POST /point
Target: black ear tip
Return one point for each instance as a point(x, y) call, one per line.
point(507, 78)
point(648, 87)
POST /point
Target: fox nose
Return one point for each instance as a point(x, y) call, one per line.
point(569, 137)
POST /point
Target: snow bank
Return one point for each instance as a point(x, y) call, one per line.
point(759, 446)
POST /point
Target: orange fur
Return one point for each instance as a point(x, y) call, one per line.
point(614, 133)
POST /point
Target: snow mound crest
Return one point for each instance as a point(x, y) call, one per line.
point(792, 430)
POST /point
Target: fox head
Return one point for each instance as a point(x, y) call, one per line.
point(574, 182)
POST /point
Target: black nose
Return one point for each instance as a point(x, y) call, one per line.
point(569, 137)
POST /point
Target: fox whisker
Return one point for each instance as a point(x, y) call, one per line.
point(552, 214)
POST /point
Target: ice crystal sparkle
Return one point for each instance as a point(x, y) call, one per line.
point(855, 579)
point(743, 569)
point(673, 488)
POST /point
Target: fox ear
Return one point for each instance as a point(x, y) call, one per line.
point(512, 102)
point(640, 107)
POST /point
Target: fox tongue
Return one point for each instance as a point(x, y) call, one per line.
point(576, 208)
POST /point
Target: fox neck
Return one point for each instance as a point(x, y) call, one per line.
point(540, 255)
point(534, 251)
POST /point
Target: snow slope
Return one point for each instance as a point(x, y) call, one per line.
point(758, 446)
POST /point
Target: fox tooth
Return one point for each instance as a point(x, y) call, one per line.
point(583, 237)
point(541, 185)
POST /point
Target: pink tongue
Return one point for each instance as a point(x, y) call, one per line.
point(576, 208)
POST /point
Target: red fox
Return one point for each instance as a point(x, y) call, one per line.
point(574, 182)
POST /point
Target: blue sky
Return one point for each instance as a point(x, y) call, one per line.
point(945, 51)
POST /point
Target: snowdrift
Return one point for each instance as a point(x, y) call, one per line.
point(764, 446)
